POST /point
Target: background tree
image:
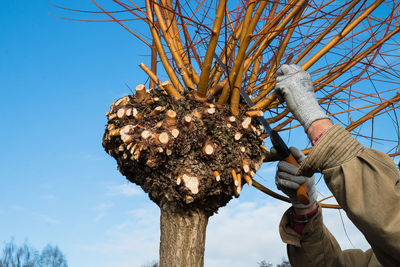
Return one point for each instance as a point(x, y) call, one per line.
point(14, 256)
point(52, 256)
point(26, 256)
point(152, 264)
point(264, 263)
point(190, 141)
point(284, 263)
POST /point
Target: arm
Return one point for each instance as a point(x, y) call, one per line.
point(309, 241)
point(365, 182)
point(317, 247)
point(318, 128)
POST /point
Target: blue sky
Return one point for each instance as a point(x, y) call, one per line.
point(58, 186)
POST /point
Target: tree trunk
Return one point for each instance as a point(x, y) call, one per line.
point(183, 236)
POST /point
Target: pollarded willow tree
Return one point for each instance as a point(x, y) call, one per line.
point(191, 142)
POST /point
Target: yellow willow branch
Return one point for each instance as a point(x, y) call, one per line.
point(205, 72)
point(272, 11)
point(256, 65)
point(216, 88)
point(287, 37)
point(153, 62)
point(358, 108)
point(325, 198)
point(243, 44)
point(338, 37)
point(230, 21)
point(371, 114)
point(165, 86)
point(279, 116)
point(265, 33)
point(267, 29)
point(283, 124)
point(117, 21)
point(226, 53)
point(394, 154)
point(188, 40)
point(280, 128)
point(280, 14)
point(173, 49)
point(333, 74)
point(267, 82)
point(256, 17)
point(330, 206)
point(274, 66)
point(235, 96)
point(326, 31)
point(163, 57)
point(272, 35)
point(286, 111)
point(173, 26)
point(254, 75)
point(151, 74)
point(338, 71)
point(283, 198)
point(270, 192)
point(172, 21)
point(362, 94)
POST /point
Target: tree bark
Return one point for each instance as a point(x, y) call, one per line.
point(183, 235)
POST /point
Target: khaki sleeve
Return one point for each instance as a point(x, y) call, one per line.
point(366, 184)
point(317, 246)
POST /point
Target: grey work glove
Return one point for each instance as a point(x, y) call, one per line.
point(296, 87)
point(287, 181)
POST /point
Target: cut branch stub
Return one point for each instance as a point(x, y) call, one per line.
point(175, 132)
point(187, 120)
point(237, 136)
point(170, 89)
point(209, 111)
point(146, 134)
point(232, 119)
point(246, 123)
point(141, 93)
point(181, 152)
point(246, 166)
point(157, 110)
point(255, 113)
point(239, 185)
point(208, 148)
point(121, 113)
point(217, 176)
point(248, 179)
point(191, 182)
point(170, 119)
point(163, 138)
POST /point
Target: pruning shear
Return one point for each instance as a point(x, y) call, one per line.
point(282, 149)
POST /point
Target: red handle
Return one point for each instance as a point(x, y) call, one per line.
point(302, 191)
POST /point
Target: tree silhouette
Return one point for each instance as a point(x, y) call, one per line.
point(264, 263)
point(26, 256)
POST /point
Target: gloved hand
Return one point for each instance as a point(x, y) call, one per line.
point(295, 85)
point(287, 181)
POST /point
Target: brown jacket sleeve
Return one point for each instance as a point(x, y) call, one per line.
point(366, 184)
point(317, 247)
